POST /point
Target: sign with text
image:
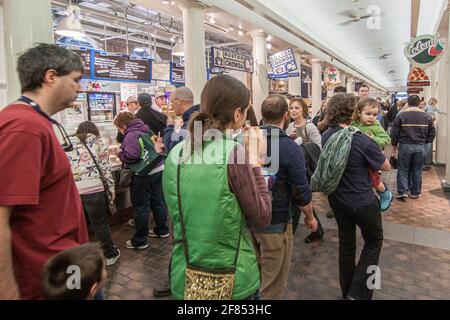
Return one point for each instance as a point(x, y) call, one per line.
point(177, 74)
point(85, 56)
point(283, 63)
point(425, 50)
point(160, 71)
point(227, 59)
point(110, 66)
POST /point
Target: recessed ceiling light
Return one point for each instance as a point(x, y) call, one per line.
point(241, 33)
point(165, 2)
point(212, 20)
point(269, 38)
point(269, 46)
point(231, 28)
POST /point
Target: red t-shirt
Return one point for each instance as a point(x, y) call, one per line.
point(36, 179)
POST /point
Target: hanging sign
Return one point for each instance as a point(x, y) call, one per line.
point(85, 55)
point(283, 63)
point(227, 59)
point(177, 74)
point(117, 66)
point(424, 51)
point(160, 71)
point(418, 78)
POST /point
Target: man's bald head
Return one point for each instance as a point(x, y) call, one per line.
point(182, 99)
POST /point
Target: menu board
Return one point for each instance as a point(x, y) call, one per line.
point(86, 58)
point(227, 59)
point(160, 71)
point(121, 67)
point(177, 76)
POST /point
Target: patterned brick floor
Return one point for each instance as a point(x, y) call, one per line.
point(407, 271)
point(432, 210)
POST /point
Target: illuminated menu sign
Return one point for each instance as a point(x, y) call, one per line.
point(227, 59)
point(177, 76)
point(85, 56)
point(120, 67)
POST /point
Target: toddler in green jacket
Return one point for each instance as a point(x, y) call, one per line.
point(365, 119)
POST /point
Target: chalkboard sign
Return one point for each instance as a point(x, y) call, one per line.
point(177, 76)
point(86, 58)
point(120, 67)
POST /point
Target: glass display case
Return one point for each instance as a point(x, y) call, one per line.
point(102, 106)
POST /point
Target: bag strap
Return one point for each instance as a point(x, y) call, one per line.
point(102, 177)
point(308, 140)
point(183, 227)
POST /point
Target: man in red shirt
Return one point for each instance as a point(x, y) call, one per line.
point(40, 209)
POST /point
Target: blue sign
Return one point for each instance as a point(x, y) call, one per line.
point(283, 63)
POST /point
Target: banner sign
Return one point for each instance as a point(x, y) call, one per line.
point(283, 63)
point(424, 51)
point(227, 59)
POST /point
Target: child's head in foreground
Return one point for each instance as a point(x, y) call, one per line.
point(75, 274)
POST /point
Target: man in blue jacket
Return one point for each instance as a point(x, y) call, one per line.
point(413, 129)
point(288, 184)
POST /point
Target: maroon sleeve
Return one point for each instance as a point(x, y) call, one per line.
point(20, 168)
point(250, 188)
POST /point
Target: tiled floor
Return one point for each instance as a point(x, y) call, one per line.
point(432, 210)
point(408, 270)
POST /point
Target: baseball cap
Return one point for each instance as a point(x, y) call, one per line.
point(131, 99)
point(160, 94)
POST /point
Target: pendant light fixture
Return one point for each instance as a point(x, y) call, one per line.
point(70, 26)
point(178, 49)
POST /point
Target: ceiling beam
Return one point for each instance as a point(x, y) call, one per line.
point(415, 13)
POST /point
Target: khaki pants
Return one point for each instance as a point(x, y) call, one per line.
point(274, 254)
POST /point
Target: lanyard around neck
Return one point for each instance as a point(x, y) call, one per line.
point(37, 108)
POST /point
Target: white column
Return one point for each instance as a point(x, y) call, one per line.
point(427, 90)
point(3, 99)
point(25, 24)
point(260, 81)
point(441, 123)
point(194, 46)
point(350, 85)
point(295, 83)
point(446, 183)
point(433, 78)
point(343, 79)
point(316, 85)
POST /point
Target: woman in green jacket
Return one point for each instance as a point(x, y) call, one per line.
point(213, 190)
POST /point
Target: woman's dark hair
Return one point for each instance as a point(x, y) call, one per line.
point(87, 127)
point(368, 102)
point(35, 62)
point(340, 109)
point(88, 258)
point(303, 104)
point(221, 97)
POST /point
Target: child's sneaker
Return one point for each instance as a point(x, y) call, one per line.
point(386, 200)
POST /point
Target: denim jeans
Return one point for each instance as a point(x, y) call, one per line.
point(429, 150)
point(411, 159)
point(146, 193)
point(95, 209)
point(353, 277)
